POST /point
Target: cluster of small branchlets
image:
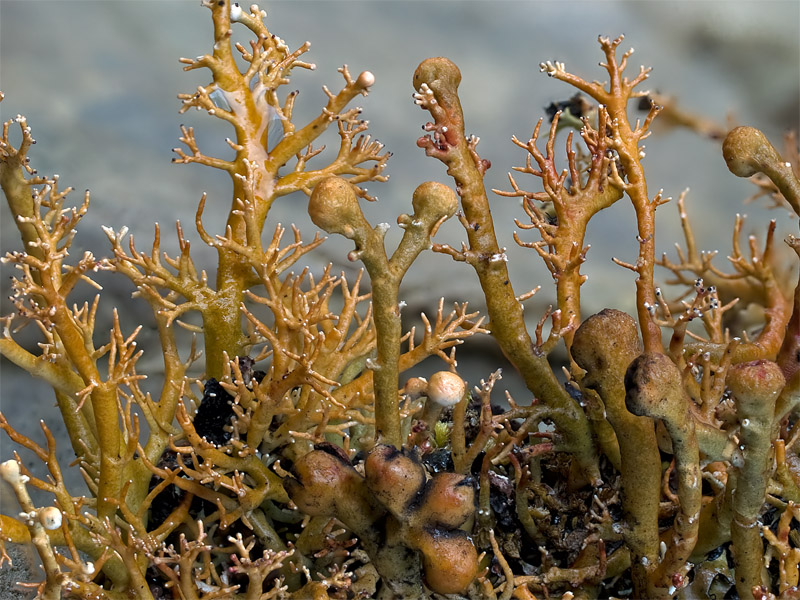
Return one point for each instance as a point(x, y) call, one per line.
point(706, 300)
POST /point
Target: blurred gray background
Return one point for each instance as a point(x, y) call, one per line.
point(98, 82)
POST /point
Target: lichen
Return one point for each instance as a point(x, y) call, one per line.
point(659, 460)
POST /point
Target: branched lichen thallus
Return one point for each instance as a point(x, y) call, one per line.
point(287, 459)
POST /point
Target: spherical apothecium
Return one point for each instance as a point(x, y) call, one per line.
point(50, 517)
point(446, 388)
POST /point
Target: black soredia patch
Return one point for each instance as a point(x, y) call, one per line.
point(214, 414)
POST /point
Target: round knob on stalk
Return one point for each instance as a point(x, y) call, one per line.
point(394, 477)
point(334, 207)
point(449, 559)
point(746, 150)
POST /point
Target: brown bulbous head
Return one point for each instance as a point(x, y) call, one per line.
point(432, 201)
point(320, 477)
point(447, 501)
point(653, 388)
point(755, 387)
point(606, 341)
point(746, 150)
point(393, 477)
point(449, 559)
point(334, 208)
point(439, 73)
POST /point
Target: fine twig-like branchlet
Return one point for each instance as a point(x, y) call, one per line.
point(575, 203)
point(624, 140)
